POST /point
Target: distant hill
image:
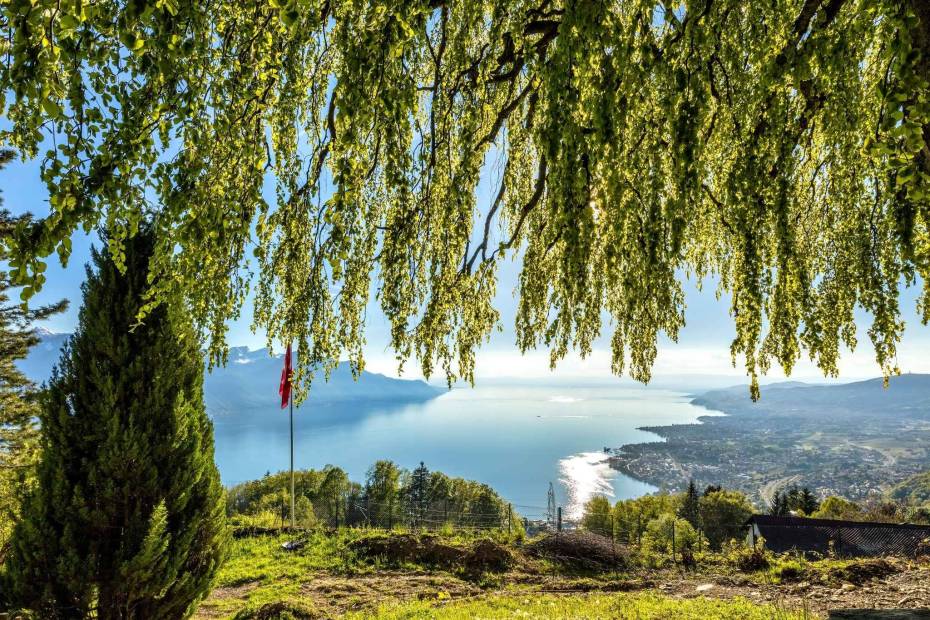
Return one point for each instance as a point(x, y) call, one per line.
point(855, 440)
point(250, 380)
point(907, 394)
point(914, 490)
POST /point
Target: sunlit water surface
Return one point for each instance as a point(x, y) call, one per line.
point(517, 439)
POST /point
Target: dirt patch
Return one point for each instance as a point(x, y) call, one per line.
point(333, 595)
point(239, 590)
point(902, 585)
point(579, 551)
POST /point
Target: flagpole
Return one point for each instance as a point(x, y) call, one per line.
point(293, 521)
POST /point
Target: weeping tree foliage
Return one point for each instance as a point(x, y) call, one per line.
point(781, 147)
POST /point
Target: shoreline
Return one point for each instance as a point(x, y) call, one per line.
point(622, 459)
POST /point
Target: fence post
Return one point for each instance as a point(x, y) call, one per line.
point(639, 529)
point(613, 534)
point(391, 513)
point(559, 526)
point(509, 519)
point(673, 540)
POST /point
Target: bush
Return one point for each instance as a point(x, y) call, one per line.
point(788, 570)
point(746, 559)
point(838, 508)
point(597, 516)
point(659, 532)
point(277, 611)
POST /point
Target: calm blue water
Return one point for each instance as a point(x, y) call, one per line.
point(515, 438)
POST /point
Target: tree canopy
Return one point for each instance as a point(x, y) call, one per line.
point(782, 147)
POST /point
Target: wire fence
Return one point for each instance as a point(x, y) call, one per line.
point(667, 537)
point(392, 514)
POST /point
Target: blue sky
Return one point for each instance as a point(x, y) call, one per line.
point(702, 349)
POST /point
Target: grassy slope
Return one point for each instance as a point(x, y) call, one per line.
point(325, 578)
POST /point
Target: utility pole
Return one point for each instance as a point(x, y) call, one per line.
point(293, 515)
point(550, 506)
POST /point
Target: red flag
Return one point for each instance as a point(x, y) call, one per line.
point(285, 388)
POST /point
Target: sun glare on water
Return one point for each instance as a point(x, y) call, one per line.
point(584, 476)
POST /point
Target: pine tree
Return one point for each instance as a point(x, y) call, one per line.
point(690, 507)
point(128, 518)
point(418, 494)
point(18, 396)
point(779, 506)
point(807, 502)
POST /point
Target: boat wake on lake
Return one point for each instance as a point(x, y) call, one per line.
point(564, 399)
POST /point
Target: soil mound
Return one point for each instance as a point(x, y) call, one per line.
point(487, 555)
point(396, 549)
point(579, 550)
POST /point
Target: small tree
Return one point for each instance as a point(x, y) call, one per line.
point(128, 518)
point(598, 516)
point(382, 488)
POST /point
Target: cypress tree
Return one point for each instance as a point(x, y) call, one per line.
point(128, 517)
point(690, 509)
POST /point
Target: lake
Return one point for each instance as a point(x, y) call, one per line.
point(515, 438)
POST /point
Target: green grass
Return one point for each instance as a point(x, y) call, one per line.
point(265, 573)
point(261, 558)
point(583, 606)
point(259, 572)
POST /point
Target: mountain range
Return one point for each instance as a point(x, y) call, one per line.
point(250, 380)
